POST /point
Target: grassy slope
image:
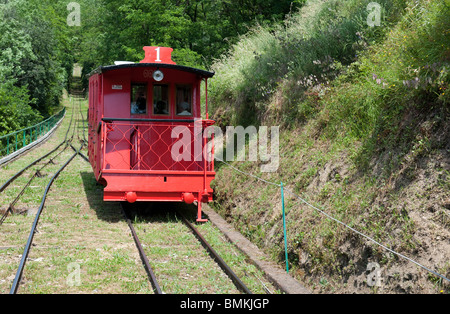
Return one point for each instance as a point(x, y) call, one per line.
point(365, 136)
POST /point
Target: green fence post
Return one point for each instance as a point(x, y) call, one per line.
point(284, 228)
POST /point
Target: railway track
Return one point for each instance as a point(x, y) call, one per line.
point(214, 255)
point(46, 160)
point(51, 165)
point(18, 276)
point(148, 268)
point(72, 135)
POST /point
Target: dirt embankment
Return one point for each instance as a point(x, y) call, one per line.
point(401, 199)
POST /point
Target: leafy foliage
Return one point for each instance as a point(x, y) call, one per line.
point(34, 62)
point(310, 49)
point(38, 47)
point(198, 30)
point(349, 81)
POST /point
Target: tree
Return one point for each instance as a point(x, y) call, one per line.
point(15, 48)
point(35, 55)
point(198, 30)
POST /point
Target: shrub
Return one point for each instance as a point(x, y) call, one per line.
point(309, 50)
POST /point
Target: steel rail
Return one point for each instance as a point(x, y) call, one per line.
point(18, 174)
point(80, 153)
point(238, 283)
point(36, 174)
point(18, 276)
point(148, 268)
point(68, 142)
point(82, 118)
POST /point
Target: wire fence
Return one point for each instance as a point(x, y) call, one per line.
point(15, 141)
point(322, 212)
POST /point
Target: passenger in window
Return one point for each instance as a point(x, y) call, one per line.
point(185, 108)
point(161, 108)
point(134, 108)
point(139, 105)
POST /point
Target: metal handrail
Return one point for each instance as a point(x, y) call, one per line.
point(14, 141)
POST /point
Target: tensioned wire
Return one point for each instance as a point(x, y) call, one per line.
point(334, 219)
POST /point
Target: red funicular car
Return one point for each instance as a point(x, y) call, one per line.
point(146, 132)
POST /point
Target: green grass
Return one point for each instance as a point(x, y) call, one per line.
point(269, 70)
point(356, 141)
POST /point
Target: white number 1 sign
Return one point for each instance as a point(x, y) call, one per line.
point(162, 55)
point(158, 54)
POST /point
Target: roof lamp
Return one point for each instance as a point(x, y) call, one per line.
point(158, 76)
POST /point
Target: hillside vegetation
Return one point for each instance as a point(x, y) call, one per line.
point(197, 30)
point(35, 62)
point(41, 40)
point(365, 136)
